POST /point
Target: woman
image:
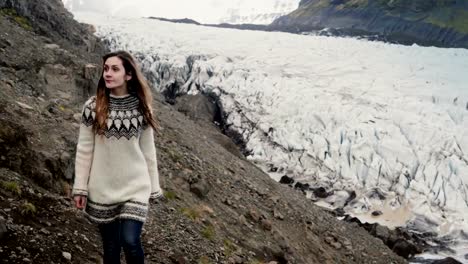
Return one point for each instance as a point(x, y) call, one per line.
point(116, 169)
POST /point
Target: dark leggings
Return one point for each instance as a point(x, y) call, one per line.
point(122, 233)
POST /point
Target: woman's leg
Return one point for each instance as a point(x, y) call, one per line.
point(131, 242)
point(110, 234)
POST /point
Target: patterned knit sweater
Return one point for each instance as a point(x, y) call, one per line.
point(117, 171)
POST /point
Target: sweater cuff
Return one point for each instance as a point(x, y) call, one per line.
point(156, 194)
point(82, 192)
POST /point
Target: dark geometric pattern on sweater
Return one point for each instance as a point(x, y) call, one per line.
point(89, 113)
point(123, 104)
point(105, 213)
point(124, 118)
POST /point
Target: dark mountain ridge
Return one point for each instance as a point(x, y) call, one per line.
point(442, 23)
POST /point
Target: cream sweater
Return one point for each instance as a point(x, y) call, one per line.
point(117, 171)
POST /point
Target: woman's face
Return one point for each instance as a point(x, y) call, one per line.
point(114, 73)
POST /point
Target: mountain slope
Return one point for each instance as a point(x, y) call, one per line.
point(437, 22)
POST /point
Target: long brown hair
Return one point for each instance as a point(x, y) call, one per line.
point(137, 85)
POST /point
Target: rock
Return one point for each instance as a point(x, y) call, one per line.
point(376, 213)
point(200, 188)
point(277, 214)
point(286, 180)
point(179, 258)
point(10, 83)
point(235, 259)
point(242, 220)
point(23, 251)
point(25, 106)
point(5, 43)
point(381, 232)
point(320, 192)
point(336, 245)
point(301, 186)
point(44, 231)
point(405, 248)
point(352, 196)
point(266, 224)
point(197, 107)
point(67, 256)
point(446, 261)
point(90, 71)
point(91, 28)
point(84, 237)
point(206, 209)
point(275, 199)
point(77, 117)
point(227, 201)
point(332, 241)
point(53, 108)
point(51, 46)
point(262, 192)
point(3, 228)
point(347, 245)
point(329, 239)
point(65, 157)
point(254, 215)
point(339, 212)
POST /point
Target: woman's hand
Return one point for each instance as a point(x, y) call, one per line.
point(80, 201)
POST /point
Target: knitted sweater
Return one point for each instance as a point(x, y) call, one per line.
point(117, 171)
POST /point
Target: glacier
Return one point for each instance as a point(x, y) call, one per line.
point(386, 122)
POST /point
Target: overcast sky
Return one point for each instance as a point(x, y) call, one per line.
point(205, 11)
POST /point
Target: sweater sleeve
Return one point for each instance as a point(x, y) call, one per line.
point(149, 151)
point(84, 150)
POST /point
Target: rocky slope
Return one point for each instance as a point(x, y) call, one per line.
point(435, 22)
point(218, 208)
